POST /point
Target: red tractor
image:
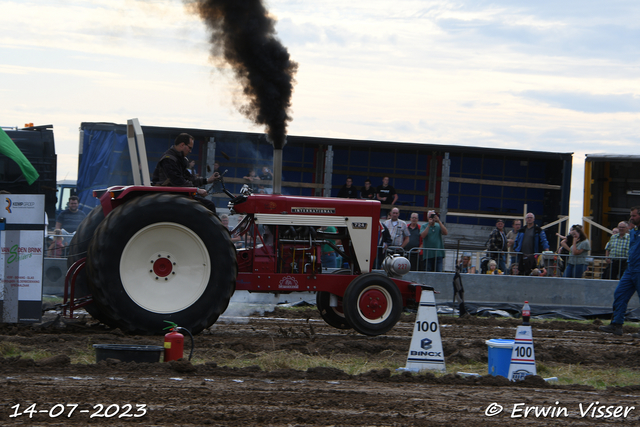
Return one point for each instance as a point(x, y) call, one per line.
point(155, 254)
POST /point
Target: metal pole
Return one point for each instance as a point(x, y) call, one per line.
point(210, 160)
point(328, 171)
point(137, 153)
point(444, 187)
point(277, 171)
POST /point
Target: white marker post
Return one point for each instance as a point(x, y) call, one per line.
point(523, 358)
point(425, 352)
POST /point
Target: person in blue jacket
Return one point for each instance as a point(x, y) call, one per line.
point(629, 284)
point(531, 240)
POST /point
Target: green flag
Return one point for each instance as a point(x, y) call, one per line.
point(11, 150)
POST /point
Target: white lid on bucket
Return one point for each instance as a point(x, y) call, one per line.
point(500, 343)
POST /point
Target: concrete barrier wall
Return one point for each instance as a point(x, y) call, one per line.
point(517, 289)
point(481, 288)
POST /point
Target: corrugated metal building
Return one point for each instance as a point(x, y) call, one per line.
point(611, 187)
point(469, 186)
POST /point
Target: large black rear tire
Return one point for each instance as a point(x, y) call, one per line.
point(162, 257)
point(333, 316)
point(372, 304)
point(78, 248)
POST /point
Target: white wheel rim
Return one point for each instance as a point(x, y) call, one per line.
point(387, 312)
point(165, 267)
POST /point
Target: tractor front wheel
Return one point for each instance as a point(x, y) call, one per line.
point(372, 304)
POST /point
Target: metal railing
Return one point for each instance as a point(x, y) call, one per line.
point(547, 264)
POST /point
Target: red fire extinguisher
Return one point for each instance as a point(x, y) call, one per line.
point(174, 342)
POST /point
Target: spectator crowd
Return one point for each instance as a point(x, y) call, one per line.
point(520, 250)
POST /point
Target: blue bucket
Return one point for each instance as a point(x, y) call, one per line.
point(500, 356)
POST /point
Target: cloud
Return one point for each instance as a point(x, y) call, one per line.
point(16, 69)
point(570, 28)
point(572, 10)
point(298, 33)
point(587, 102)
point(159, 30)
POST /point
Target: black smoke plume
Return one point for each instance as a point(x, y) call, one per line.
point(244, 36)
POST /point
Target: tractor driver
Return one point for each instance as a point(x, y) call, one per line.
point(173, 170)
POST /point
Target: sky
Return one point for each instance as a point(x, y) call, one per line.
point(555, 76)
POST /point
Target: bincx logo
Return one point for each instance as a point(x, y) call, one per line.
point(426, 353)
point(523, 332)
point(520, 374)
point(425, 344)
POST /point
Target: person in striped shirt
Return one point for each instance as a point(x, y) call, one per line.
point(617, 251)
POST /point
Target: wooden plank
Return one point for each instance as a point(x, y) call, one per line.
point(504, 183)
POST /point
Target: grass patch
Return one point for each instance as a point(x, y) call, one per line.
point(79, 356)
point(566, 374)
point(583, 322)
point(285, 359)
point(52, 299)
point(84, 357)
point(8, 349)
point(354, 365)
point(598, 378)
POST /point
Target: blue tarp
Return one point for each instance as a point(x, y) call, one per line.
point(105, 161)
point(105, 157)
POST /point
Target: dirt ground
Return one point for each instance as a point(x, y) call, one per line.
point(181, 394)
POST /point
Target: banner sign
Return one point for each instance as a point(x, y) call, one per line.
point(21, 258)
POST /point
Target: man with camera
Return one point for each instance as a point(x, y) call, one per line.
point(431, 234)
